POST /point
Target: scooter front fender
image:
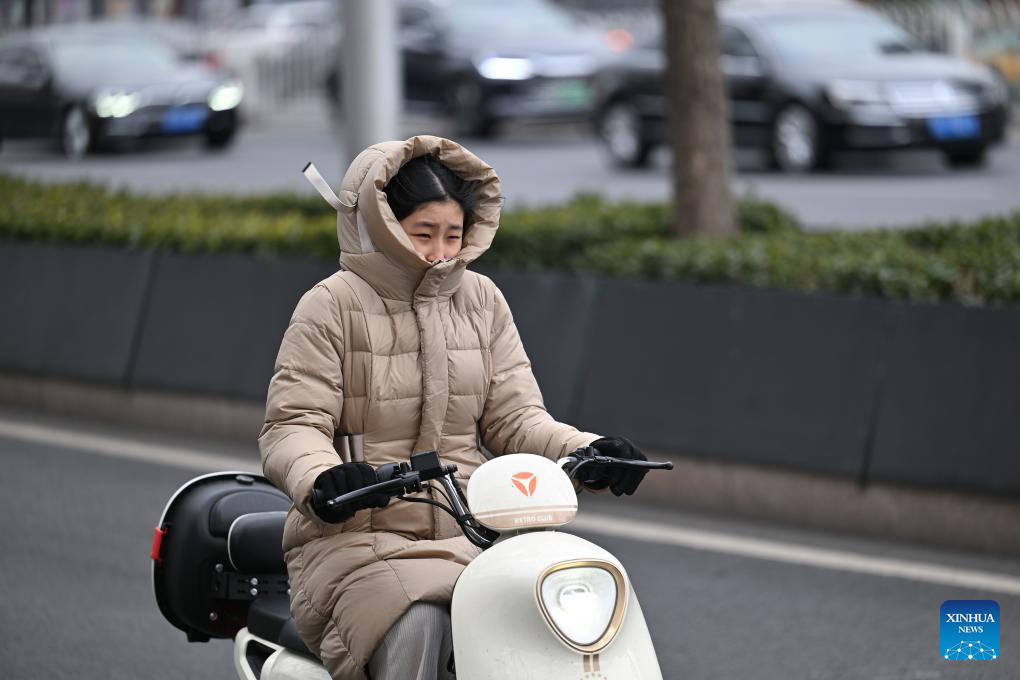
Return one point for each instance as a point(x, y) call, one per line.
point(499, 630)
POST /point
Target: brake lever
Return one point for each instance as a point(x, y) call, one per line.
point(571, 464)
point(401, 483)
point(647, 464)
point(629, 462)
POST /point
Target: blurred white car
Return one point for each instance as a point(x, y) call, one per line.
point(279, 50)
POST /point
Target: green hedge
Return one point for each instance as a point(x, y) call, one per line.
point(973, 263)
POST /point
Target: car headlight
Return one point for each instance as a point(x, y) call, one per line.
point(851, 93)
point(117, 104)
point(583, 602)
point(226, 96)
point(506, 68)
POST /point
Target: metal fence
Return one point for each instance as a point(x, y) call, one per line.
point(952, 25)
point(275, 79)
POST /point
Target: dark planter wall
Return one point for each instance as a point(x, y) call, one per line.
point(736, 374)
point(71, 311)
point(863, 389)
point(214, 322)
point(556, 316)
point(950, 408)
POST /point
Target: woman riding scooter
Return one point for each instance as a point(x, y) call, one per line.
point(401, 351)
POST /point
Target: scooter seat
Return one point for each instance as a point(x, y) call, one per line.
point(269, 618)
point(255, 543)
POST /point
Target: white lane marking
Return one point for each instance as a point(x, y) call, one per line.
point(117, 447)
point(791, 553)
point(639, 530)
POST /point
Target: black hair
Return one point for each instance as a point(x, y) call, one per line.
point(425, 180)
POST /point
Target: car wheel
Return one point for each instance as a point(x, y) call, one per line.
point(218, 140)
point(75, 133)
point(467, 109)
point(623, 135)
point(970, 157)
point(796, 143)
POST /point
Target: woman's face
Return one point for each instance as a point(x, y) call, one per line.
point(436, 229)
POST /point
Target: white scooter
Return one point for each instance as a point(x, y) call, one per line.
point(566, 607)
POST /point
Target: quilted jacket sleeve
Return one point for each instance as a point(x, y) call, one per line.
point(305, 399)
point(514, 419)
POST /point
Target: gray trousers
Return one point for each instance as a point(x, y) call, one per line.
point(417, 647)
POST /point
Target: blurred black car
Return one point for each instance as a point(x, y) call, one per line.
point(807, 78)
point(486, 61)
point(88, 85)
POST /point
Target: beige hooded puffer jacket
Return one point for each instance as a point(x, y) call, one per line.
point(411, 357)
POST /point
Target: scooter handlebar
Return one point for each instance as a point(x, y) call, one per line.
point(571, 461)
point(393, 487)
point(399, 480)
point(405, 480)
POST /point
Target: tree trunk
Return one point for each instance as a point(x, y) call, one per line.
point(699, 120)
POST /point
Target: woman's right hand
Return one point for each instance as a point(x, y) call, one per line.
point(342, 479)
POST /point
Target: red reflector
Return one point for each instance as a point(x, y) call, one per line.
point(157, 544)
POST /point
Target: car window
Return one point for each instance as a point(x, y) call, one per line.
point(510, 18)
point(31, 61)
point(414, 17)
point(841, 36)
point(21, 65)
point(19, 56)
point(9, 65)
point(736, 43)
point(9, 56)
point(83, 59)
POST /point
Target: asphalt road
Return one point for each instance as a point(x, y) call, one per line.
point(548, 164)
point(75, 528)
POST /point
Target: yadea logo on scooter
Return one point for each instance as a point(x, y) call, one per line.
point(969, 630)
point(526, 482)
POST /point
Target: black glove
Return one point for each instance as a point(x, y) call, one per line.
point(620, 480)
point(342, 479)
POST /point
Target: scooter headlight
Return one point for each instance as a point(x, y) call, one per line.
point(583, 602)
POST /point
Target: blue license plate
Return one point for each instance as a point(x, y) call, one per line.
point(184, 119)
point(954, 127)
point(573, 93)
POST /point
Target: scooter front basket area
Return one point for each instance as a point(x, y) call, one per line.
point(196, 587)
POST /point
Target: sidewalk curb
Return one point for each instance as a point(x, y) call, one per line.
point(930, 516)
point(218, 417)
point(934, 517)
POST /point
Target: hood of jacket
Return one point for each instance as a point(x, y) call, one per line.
point(374, 246)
